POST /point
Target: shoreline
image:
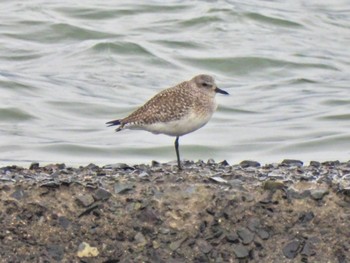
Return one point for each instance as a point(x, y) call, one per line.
point(209, 212)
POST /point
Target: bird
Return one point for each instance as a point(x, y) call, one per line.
point(175, 111)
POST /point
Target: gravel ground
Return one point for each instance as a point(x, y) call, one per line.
point(209, 212)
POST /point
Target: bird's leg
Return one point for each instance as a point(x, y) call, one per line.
point(177, 152)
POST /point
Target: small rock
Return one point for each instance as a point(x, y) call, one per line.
point(85, 200)
point(253, 224)
point(248, 163)
point(218, 180)
point(298, 195)
point(275, 175)
point(101, 194)
point(224, 163)
point(291, 249)
point(117, 166)
point(306, 217)
point(308, 249)
point(34, 166)
point(92, 166)
point(211, 161)
point(263, 234)
point(204, 246)
point(149, 215)
point(143, 174)
point(64, 222)
point(315, 164)
point(56, 251)
point(89, 209)
point(155, 164)
point(123, 188)
point(86, 251)
point(245, 235)
point(19, 194)
point(291, 162)
point(240, 251)
point(50, 184)
point(140, 239)
point(232, 237)
point(176, 244)
point(273, 185)
point(318, 194)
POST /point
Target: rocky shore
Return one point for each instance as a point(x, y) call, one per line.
point(209, 212)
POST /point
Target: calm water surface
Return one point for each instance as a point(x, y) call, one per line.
point(67, 67)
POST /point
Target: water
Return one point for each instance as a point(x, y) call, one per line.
point(67, 67)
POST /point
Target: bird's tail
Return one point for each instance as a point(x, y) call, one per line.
point(114, 123)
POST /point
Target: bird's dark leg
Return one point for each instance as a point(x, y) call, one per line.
point(177, 152)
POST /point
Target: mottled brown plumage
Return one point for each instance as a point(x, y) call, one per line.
point(175, 111)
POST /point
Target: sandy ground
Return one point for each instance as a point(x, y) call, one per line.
point(209, 212)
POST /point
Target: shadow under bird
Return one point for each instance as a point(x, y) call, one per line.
point(175, 111)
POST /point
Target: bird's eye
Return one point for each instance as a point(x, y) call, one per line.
point(205, 84)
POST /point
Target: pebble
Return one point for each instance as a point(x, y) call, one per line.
point(204, 246)
point(318, 194)
point(120, 188)
point(308, 249)
point(248, 163)
point(240, 251)
point(85, 200)
point(218, 180)
point(232, 237)
point(263, 234)
point(176, 244)
point(291, 162)
point(101, 194)
point(34, 166)
point(140, 239)
point(291, 250)
point(56, 251)
point(245, 235)
point(86, 251)
point(273, 185)
point(19, 194)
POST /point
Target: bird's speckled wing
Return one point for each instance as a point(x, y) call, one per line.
point(169, 105)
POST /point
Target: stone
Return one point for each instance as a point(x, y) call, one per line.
point(34, 166)
point(85, 200)
point(273, 185)
point(224, 163)
point(118, 166)
point(86, 251)
point(120, 188)
point(64, 222)
point(176, 244)
point(101, 194)
point(315, 164)
point(253, 224)
point(263, 234)
point(19, 194)
point(291, 250)
point(248, 163)
point(240, 251)
point(306, 217)
point(56, 251)
point(140, 239)
point(318, 194)
point(291, 162)
point(308, 249)
point(232, 237)
point(218, 180)
point(245, 235)
point(204, 246)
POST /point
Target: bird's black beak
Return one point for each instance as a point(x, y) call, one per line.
point(217, 90)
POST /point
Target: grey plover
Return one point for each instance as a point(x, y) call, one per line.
point(175, 111)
